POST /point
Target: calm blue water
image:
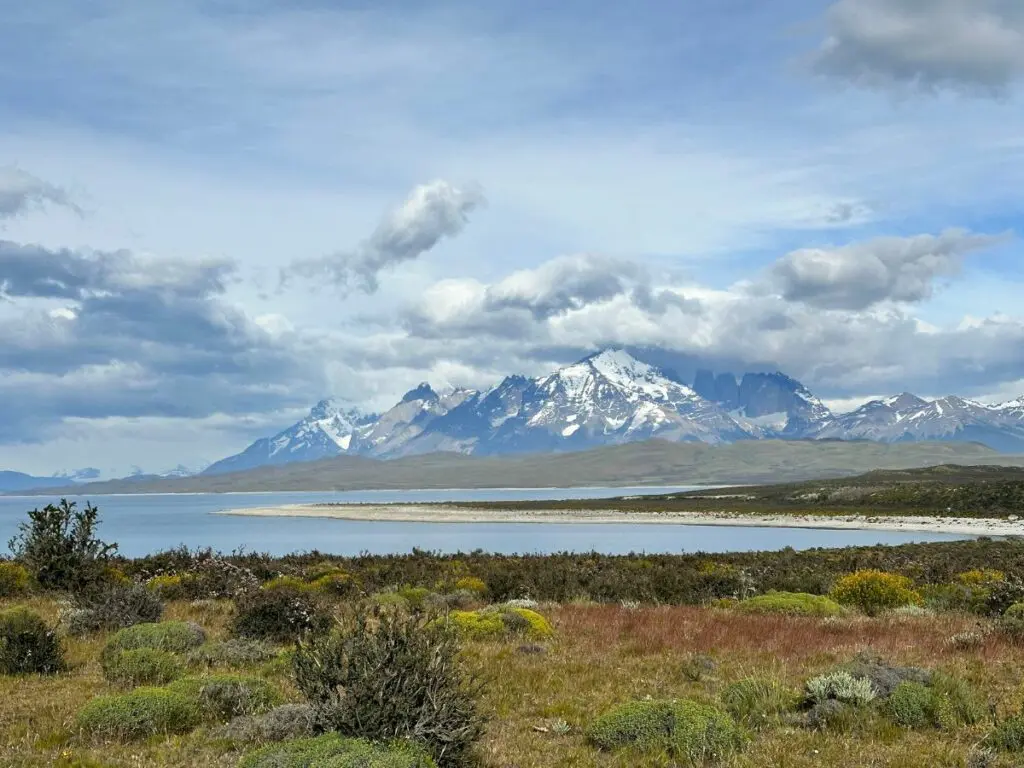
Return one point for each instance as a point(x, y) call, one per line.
point(149, 523)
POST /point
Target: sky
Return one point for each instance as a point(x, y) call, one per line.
point(213, 214)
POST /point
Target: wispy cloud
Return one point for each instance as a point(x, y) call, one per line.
point(431, 213)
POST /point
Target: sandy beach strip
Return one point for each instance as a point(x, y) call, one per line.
point(439, 513)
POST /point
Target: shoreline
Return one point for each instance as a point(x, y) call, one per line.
point(439, 513)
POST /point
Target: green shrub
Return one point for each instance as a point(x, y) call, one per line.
point(141, 666)
point(389, 600)
point(282, 614)
point(139, 714)
point(391, 675)
point(842, 687)
point(114, 607)
point(874, 591)
point(791, 603)
point(334, 751)
point(1012, 621)
point(415, 597)
point(1007, 736)
point(27, 644)
point(682, 729)
point(756, 702)
point(221, 697)
point(59, 547)
point(167, 587)
point(171, 636)
point(911, 705)
point(14, 579)
point(288, 721)
point(236, 652)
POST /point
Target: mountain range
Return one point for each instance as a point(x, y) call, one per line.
point(615, 397)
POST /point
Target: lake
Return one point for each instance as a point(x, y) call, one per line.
point(142, 524)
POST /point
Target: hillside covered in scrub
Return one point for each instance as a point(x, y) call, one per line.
point(947, 490)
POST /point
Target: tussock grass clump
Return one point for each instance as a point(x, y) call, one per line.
point(392, 675)
point(235, 652)
point(170, 636)
point(873, 591)
point(334, 751)
point(141, 666)
point(281, 614)
point(114, 607)
point(1012, 621)
point(1007, 736)
point(288, 721)
point(757, 702)
point(790, 603)
point(28, 645)
point(221, 697)
point(139, 714)
point(14, 579)
point(684, 729)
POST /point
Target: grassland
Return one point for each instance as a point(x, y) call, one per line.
point(600, 656)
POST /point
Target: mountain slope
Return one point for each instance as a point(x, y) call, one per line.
point(652, 462)
point(605, 399)
point(325, 432)
point(779, 404)
point(12, 482)
point(906, 417)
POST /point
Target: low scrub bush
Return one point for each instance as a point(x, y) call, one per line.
point(756, 702)
point(288, 721)
point(471, 584)
point(141, 666)
point(139, 714)
point(911, 705)
point(167, 587)
point(1007, 736)
point(874, 591)
point(236, 652)
point(684, 730)
point(791, 603)
point(282, 614)
point(221, 697)
point(842, 687)
point(14, 579)
point(496, 622)
point(334, 751)
point(286, 582)
point(885, 677)
point(957, 703)
point(1012, 621)
point(392, 675)
point(113, 607)
point(171, 636)
point(338, 584)
point(28, 645)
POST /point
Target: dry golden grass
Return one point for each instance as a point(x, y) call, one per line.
point(602, 655)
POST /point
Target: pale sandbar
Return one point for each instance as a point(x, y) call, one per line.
point(440, 513)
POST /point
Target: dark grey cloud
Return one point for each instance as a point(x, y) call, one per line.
point(972, 46)
point(21, 191)
point(92, 335)
point(432, 212)
point(857, 276)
